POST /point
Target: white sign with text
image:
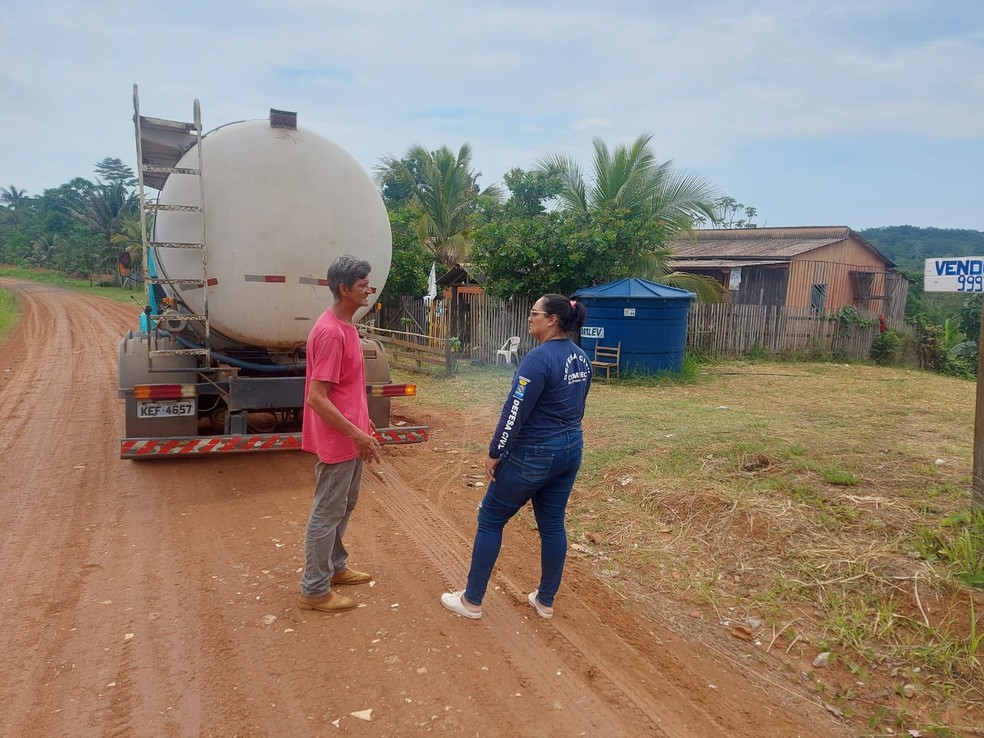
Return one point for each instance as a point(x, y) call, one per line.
point(955, 274)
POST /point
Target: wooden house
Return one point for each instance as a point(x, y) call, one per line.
point(823, 269)
point(455, 286)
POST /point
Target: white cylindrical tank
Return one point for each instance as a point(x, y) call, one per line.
point(280, 205)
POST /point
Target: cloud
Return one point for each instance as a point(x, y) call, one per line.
point(586, 123)
point(712, 81)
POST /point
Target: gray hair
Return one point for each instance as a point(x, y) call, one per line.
point(347, 270)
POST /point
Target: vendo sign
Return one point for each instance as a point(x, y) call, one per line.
point(955, 274)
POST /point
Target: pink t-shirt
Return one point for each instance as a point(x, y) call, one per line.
point(334, 355)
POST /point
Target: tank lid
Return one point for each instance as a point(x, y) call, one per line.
point(283, 119)
point(635, 287)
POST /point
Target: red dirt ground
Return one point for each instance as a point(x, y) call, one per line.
point(158, 599)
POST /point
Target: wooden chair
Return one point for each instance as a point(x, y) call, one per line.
point(607, 358)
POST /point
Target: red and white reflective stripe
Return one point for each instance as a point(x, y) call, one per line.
point(313, 280)
point(137, 448)
point(410, 434)
point(211, 282)
point(278, 278)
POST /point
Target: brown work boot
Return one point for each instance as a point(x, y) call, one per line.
point(351, 576)
point(331, 602)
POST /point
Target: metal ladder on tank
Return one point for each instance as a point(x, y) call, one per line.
point(160, 146)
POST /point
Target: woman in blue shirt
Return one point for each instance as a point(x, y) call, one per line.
point(534, 455)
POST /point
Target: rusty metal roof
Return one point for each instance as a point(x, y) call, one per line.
point(723, 263)
point(762, 243)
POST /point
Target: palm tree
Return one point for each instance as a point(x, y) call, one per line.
point(629, 179)
point(630, 183)
point(443, 191)
point(12, 196)
point(46, 250)
point(103, 211)
point(129, 238)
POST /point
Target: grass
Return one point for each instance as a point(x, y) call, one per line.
point(8, 313)
point(58, 279)
point(829, 502)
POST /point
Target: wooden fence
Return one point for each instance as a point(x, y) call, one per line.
point(738, 330)
point(483, 324)
point(406, 350)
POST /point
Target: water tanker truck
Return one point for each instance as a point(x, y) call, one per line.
point(236, 246)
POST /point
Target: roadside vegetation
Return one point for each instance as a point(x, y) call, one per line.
point(776, 512)
point(47, 276)
point(8, 313)
point(559, 226)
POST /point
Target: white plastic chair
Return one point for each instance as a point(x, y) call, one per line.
point(509, 351)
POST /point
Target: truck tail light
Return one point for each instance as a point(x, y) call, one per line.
point(163, 391)
point(392, 390)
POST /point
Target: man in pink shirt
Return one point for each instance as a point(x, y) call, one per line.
point(338, 430)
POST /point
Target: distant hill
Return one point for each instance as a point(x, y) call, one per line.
point(909, 246)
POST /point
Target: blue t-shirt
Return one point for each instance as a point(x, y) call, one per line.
point(547, 396)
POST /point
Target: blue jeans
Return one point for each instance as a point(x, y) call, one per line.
point(543, 474)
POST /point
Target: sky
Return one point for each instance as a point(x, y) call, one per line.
point(859, 113)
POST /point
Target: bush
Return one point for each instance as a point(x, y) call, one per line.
point(887, 348)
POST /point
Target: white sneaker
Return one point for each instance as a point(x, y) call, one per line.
point(540, 609)
point(453, 602)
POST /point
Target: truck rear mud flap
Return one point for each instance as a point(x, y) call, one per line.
point(151, 448)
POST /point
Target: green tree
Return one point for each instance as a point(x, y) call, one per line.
point(46, 250)
point(410, 265)
point(104, 212)
point(113, 171)
point(632, 205)
point(909, 246)
point(84, 253)
point(630, 180)
point(558, 251)
point(970, 317)
point(530, 190)
point(733, 214)
point(128, 240)
point(13, 197)
point(444, 191)
point(396, 191)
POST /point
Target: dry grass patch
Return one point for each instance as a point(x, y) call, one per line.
point(820, 507)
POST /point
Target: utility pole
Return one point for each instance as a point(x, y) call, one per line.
point(977, 483)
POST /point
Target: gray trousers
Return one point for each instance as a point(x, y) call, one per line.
point(336, 490)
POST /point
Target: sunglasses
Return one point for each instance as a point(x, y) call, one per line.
point(539, 312)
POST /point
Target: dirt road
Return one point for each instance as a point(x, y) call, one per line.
point(158, 599)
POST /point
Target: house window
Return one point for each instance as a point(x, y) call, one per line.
point(818, 299)
point(864, 283)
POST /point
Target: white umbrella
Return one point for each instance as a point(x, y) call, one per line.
point(432, 283)
point(431, 289)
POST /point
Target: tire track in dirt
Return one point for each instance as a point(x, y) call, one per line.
point(192, 557)
point(662, 692)
point(448, 549)
point(59, 352)
point(454, 465)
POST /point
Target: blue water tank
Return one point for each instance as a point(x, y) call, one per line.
point(649, 319)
